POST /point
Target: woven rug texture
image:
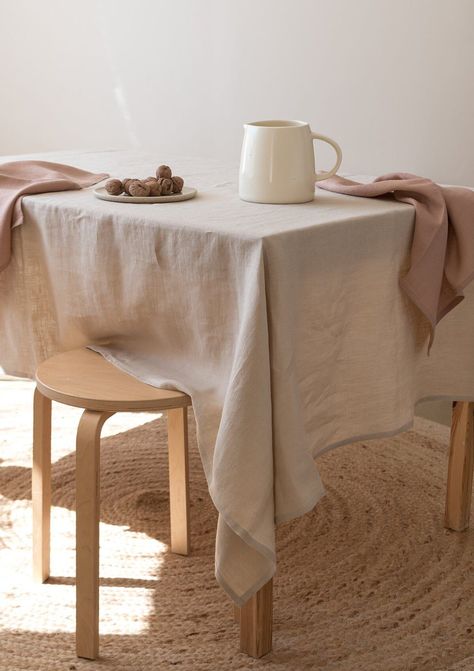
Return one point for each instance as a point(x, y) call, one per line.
point(368, 581)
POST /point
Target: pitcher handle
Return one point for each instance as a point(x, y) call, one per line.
point(337, 149)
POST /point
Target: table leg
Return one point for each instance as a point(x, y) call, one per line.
point(460, 469)
point(256, 622)
point(87, 532)
point(236, 614)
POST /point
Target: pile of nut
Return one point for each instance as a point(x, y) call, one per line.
point(164, 184)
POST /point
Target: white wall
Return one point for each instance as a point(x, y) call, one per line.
point(391, 80)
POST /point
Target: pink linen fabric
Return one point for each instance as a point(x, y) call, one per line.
point(442, 252)
point(21, 178)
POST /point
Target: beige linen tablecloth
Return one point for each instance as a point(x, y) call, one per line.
point(285, 324)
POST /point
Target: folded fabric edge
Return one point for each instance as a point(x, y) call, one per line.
point(374, 436)
point(266, 552)
point(242, 600)
point(258, 547)
point(305, 508)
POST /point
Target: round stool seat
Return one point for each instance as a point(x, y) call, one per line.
point(84, 379)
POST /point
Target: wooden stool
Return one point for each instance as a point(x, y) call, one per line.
point(84, 379)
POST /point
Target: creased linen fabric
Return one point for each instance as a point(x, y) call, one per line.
point(285, 324)
point(442, 252)
point(19, 178)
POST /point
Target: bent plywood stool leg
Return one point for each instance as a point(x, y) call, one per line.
point(87, 532)
point(41, 486)
point(460, 468)
point(256, 622)
point(179, 480)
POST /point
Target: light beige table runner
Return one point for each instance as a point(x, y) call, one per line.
point(285, 324)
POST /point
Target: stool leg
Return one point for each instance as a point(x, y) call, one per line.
point(87, 532)
point(41, 486)
point(256, 622)
point(179, 480)
point(460, 469)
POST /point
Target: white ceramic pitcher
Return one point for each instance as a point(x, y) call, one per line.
point(277, 162)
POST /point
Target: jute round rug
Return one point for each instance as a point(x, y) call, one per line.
point(369, 581)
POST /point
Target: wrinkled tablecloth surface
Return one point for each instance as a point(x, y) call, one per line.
point(285, 324)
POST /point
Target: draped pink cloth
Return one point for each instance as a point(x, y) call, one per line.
point(442, 251)
point(22, 178)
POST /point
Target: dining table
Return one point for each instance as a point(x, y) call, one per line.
point(285, 324)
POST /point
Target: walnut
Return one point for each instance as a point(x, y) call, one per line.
point(164, 171)
point(166, 186)
point(114, 187)
point(126, 184)
point(155, 187)
point(178, 183)
point(138, 188)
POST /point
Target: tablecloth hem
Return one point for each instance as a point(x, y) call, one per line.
point(304, 509)
point(246, 537)
point(262, 549)
point(240, 531)
point(242, 600)
point(381, 434)
point(393, 432)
